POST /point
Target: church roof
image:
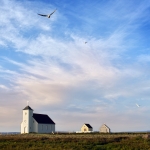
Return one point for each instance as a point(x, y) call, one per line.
point(27, 107)
point(88, 125)
point(42, 118)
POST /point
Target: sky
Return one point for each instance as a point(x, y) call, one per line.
point(45, 61)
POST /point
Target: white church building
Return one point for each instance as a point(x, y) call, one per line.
point(36, 123)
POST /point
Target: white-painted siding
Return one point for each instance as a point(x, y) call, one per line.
point(27, 122)
point(35, 126)
point(43, 128)
point(84, 128)
point(104, 129)
point(46, 128)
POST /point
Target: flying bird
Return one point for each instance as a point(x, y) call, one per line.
point(85, 42)
point(137, 105)
point(48, 16)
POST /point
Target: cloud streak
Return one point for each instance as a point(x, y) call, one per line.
point(46, 62)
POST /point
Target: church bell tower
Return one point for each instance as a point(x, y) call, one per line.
point(27, 122)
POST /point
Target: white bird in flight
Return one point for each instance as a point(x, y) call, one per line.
point(137, 105)
point(48, 16)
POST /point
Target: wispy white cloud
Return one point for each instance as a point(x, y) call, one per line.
point(3, 87)
point(59, 71)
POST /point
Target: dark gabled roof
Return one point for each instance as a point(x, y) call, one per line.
point(42, 118)
point(88, 125)
point(27, 107)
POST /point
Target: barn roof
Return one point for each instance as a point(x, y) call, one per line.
point(88, 125)
point(27, 108)
point(42, 118)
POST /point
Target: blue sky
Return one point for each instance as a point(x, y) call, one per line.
point(46, 62)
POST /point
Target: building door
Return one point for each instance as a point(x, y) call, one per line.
point(24, 129)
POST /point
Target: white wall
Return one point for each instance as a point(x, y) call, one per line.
point(84, 128)
point(35, 126)
point(104, 129)
point(46, 128)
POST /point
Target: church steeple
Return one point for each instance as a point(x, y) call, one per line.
point(27, 108)
point(27, 123)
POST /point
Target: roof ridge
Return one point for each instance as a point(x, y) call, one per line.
point(40, 114)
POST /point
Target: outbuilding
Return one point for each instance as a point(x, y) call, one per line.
point(104, 129)
point(86, 128)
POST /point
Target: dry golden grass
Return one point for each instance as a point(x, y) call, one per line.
point(95, 141)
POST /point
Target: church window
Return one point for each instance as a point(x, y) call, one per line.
point(25, 113)
point(46, 127)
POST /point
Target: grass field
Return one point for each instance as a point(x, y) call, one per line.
point(88, 141)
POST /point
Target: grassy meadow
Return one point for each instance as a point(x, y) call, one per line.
point(86, 141)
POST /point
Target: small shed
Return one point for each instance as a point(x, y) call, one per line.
point(86, 128)
point(104, 129)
